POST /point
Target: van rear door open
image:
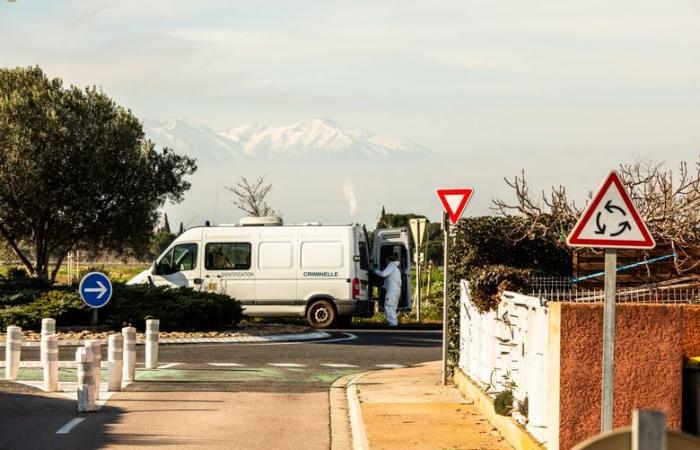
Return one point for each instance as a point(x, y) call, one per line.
point(394, 241)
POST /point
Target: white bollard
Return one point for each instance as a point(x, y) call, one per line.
point(49, 356)
point(115, 362)
point(152, 329)
point(86, 396)
point(13, 346)
point(96, 349)
point(129, 370)
point(48, 327)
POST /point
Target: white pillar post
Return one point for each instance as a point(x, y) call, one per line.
point(152, 329)
point(48, 327)
point(129, 369)
point(115, 361)
point(86, 396)
point(96, 366)
point(49, 358)
point(13, 347)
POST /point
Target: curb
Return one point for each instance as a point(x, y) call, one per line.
point(347, 426)
point(204, 340)
point(511, 431)
point(357, 424)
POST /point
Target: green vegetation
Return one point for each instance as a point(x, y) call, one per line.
point(492, 254)
point(49, 134)
point(24, 302)
point(503, 403)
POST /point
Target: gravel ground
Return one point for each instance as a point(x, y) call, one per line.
point(249, 329)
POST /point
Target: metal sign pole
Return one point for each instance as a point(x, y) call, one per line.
point(445, 280)
point(608, 340)
point(418, 244)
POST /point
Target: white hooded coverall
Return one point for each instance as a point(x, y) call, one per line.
point(392, 285)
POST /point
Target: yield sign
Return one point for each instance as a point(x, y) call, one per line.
point(611, 220)
point(454, 200)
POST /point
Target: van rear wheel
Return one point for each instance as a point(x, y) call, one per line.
point(321, 314)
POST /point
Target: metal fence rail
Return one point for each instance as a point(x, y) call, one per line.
point(563, 290)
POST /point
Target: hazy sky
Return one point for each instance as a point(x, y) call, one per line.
point(555, 87)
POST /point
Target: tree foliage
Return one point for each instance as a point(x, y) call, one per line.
point(250, 197)
point(76, 170)
point(668, 201)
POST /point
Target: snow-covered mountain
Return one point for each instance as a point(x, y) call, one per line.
point(315, 138)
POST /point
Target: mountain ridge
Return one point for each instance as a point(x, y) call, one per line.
point(305, 139)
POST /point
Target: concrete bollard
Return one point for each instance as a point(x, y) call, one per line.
point(115, 362)
point(129, 370)
point(13, 347)
point(96, 367)
point(48, 327)
point(86, 396)
point(49, 356)
point(152, 329)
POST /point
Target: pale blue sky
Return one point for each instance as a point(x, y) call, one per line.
point(555, 87)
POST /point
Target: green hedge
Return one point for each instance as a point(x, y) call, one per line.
point(177, 309)
point(24, 305)
point(488, 283)
point(484, 252)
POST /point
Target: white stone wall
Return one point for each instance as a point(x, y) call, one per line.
point(507, 349)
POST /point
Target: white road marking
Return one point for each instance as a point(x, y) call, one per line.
point(65, 429)
point(226, 364)
point(169, 365)
point(349, 337)
point(340, 366)
point(390, 366)
point(286, 365)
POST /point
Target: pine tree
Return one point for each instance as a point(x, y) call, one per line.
point(383, 213)
point(166, 224)
point(182, 229)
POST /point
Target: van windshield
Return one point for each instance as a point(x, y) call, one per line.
point(364, 256)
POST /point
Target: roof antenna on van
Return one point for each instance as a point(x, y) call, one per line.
point(206, 223)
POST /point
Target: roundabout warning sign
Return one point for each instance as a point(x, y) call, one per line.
point(611, 220)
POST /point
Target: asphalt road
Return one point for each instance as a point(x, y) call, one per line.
point(272, 395)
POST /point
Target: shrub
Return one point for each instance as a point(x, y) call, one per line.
point(486, 284)
point(62, 304)
point(14, 273)
point(503, 403)
point(176, 308)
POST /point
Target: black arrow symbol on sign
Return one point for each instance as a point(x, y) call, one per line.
point(623, 226)
point(609, 208)
point(601, 228)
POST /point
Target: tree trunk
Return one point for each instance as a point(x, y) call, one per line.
point(15, 248)
point(57, 267)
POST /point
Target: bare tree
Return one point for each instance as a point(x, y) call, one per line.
point(250, 197)
point(668, 201)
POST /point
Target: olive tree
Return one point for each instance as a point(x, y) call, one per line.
point(76, 170)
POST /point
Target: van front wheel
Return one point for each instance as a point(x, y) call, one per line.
point(321, 314)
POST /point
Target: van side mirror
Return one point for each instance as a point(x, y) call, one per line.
point(356, 258)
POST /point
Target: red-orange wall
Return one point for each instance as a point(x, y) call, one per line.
point(650, 341)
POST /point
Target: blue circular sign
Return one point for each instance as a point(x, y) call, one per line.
point(95, 289)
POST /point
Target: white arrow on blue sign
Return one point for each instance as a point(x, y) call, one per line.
point(95, 289)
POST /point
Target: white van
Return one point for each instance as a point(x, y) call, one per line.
point(321, 272)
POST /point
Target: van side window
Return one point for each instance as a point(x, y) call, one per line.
point(228, 256)
point(364, 256)
point(179, 258)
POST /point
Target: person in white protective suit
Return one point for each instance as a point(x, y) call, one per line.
point(392, 285)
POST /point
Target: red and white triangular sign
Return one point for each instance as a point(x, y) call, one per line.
point(454, 200)
point(611, 220)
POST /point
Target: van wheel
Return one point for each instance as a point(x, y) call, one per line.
point(321, 314)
